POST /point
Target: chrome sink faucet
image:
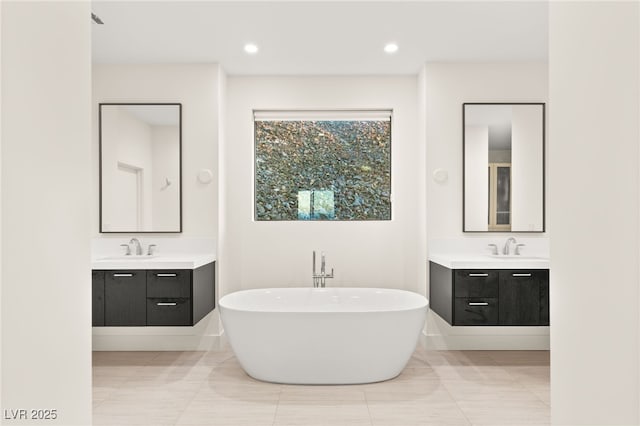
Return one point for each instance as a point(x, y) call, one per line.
point(319, 280)
point(137, 245)
point(507, 246)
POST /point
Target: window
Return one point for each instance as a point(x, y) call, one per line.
point(322, 165)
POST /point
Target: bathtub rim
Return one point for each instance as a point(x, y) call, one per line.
point(424, 302)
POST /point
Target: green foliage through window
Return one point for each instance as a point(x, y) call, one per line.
point(325, 169)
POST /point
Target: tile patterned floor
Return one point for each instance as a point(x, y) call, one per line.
point(209, 388)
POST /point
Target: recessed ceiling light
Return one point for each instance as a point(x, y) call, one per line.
point(391, 48)
point(250, 48)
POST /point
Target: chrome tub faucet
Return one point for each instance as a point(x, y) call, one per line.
point(319, 280)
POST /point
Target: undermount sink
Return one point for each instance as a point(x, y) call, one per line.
point(127, 257)
point(489, 261)
point(154, 261)
point(515, 257)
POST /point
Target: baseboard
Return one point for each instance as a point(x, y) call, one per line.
point(440, 335)
point(146, 342)
point(485, 342)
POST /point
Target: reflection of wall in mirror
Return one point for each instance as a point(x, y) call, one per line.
point(476, 180)
point(165, 198)
point(526, 160)
point(499, 156)
point(129, 181)
point(125, 140)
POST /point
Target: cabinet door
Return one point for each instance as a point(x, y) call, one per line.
point(520, 292)
point(97, 297)
point(125, 298)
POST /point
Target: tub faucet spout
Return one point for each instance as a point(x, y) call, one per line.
point(319, 280)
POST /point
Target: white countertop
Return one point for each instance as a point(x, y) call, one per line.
point(160, 261)
point(487, 261)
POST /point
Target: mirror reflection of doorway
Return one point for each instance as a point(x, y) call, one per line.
point(499, 196)
point(129, 186)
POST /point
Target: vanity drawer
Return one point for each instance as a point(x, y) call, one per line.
point(476, 283)
point(165, 311)
point(476, 311)
point(169, 283)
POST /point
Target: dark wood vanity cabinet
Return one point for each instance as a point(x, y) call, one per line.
point(124, 293)
point(490, 296)
point(180, 297)
point(97, 296)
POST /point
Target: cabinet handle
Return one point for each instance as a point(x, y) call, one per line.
point(520, 275)
point(478, 304)
point(122, 275)
point(478, 275)
point(166, 275)
point(166, 303)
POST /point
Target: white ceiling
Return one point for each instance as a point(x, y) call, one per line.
point(314, 38)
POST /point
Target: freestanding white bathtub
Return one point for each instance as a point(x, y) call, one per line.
point(323, 335)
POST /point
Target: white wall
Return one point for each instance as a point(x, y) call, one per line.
point(220, 173)
point(125, 140)
point(196, 86)
point(476, 177)
point(1, 243)
point(372, 253)
point(594, 132)
point(46, 285)
point(446, 87)
point(526, 176)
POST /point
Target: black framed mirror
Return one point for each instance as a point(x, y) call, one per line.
point(503, 167)
point(140, 167)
